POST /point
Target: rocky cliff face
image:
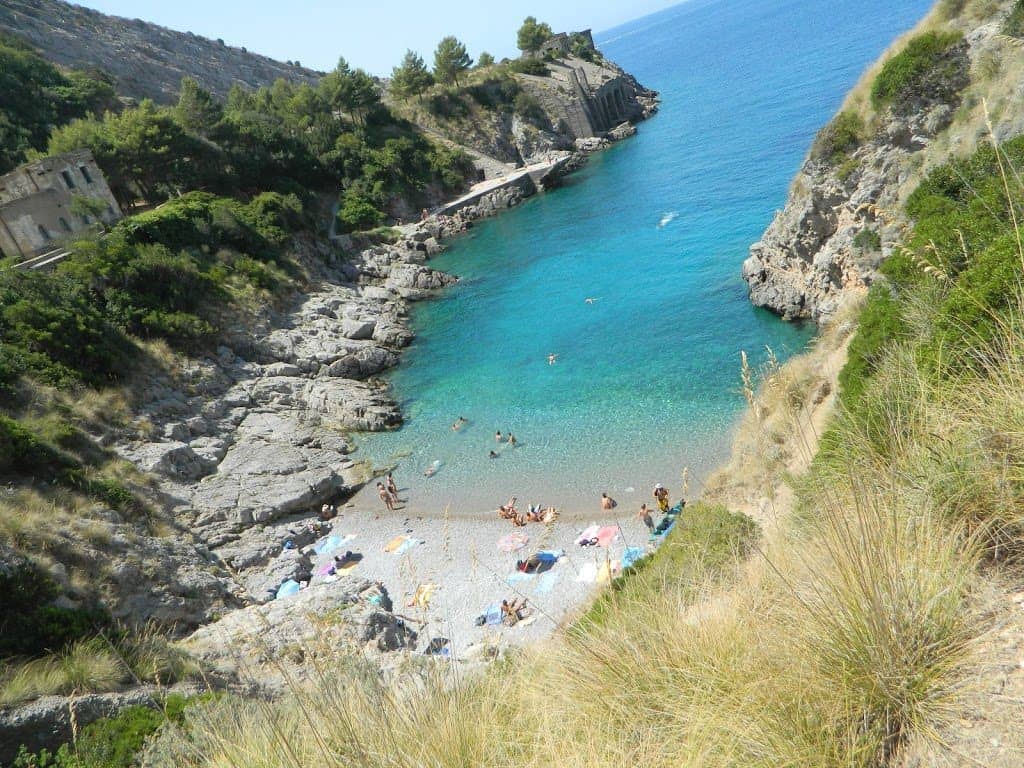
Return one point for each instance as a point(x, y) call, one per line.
point(574, 106)
point(148, 61)
point(839, 220)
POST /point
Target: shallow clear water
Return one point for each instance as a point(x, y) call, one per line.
point(646, 380)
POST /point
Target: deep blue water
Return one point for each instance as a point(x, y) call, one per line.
point(647, 377)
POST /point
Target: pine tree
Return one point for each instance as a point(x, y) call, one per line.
point(532, 35)
point(411, 78)
point(450, 59)
point(197, 111)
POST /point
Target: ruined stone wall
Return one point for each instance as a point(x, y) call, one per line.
point(36, 198)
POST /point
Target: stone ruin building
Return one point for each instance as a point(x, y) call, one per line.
point(586, 98)
point(36, 199)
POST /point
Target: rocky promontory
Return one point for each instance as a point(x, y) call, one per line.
point(838, 224)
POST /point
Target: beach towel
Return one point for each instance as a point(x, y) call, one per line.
point(550, 555)
point(406, 545)
point(348, 565)
point(608, 534)
point(609, 570)
point(395, 543)
point(493, 615)
point(588, 535)
point(527, 621)
point(518, 577)
point(330, 543)
point(325, 570)
point(513, 542)
point(288, 588)
point(546, 582)
point(422, 596)
point(587, 573)
point(630, 555)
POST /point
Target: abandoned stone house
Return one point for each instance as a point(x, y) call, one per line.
point(36, 200)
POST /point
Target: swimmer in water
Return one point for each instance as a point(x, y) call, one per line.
point(458, 423)
point(552, 358)
point(590, 299)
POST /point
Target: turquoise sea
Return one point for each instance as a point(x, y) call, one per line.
point(646, 380)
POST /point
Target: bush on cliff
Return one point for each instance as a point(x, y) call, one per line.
point(839, 138)
point(1014, 24)
point(928, 66)
point(30, 624)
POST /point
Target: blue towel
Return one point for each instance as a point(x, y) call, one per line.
point(546, 583)
point(327, 544)
point(494, 615)
point(290, 587)
point(630, 555)
point(406, 545)
point(518, 577)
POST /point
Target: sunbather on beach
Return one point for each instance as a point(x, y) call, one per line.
point(512, 613)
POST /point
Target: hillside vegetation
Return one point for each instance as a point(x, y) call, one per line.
point(229, 202)
point(854, 633)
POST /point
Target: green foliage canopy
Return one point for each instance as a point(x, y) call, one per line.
point(532, 35)
point(411, 78)
point(450, 60)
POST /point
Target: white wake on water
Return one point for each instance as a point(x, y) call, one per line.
point(667, 218)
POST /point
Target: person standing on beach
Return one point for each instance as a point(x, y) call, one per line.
point(392, 487)
point(607, 502)
point(385, 497)
point(644, 516)
point(661, 496)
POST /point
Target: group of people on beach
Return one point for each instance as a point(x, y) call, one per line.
point(644, 515)
point(388, 492)
point(535, 513)
point(661, 499)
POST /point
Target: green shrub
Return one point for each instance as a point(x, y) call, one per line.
point(1014, 24)
point(927, 62)
point(839, 138)
point(880, 325)
point(529, 108)
point(30, 624)
point(706, 538)
point(529, 67)
point(114, 742)
point(357, 213)
point(868, 240)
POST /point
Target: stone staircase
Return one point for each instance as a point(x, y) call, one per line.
point(47, 260)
